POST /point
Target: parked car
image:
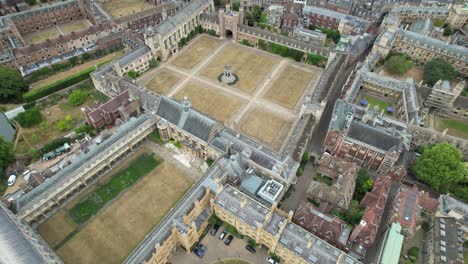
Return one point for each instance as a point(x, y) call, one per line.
point(271, 260)
point(202, 247)
point(223, 234)
point(250, 249)
point(228, 240)
point(214, 230)
point(12, 180)
point(198, 252)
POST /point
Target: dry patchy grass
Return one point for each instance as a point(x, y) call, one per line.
point(118, 8)
point(114, 233)
point(266, 127)
point(251, 66)
point(163, 82)
point(289, 86)
point(41, 35)
point(74, 26)
point(196, 52)
point(56, 228)
point(415, 73)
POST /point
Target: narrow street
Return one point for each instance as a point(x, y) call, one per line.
point(300, 189)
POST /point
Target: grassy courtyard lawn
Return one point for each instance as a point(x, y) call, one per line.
point(41, 35)
point(288, 88)
point(55, 229)
point(251, 65)
point(455, 127)
point(265, 126)
point(373, 101)
point(118, 8)
point(216, 104)
point(116, 231)
point(196, 52)
point(108, 191)
point(163, 82)
point(74, 26)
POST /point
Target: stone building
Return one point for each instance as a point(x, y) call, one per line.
point(310, 36)
point(446, 98)
point(345, 24)
point(118, 108)
point(444, 243)
point(456, 15)
point(340, 192)
point(366, 137)
point(19, 243)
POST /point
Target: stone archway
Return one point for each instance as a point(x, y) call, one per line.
point(228, 33)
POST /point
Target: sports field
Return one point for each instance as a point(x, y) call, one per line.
point(210, 101)
point(120, 225)
point(266, 126)
point(288, 88)
point(249, 64)
point(196, 51)
point(163, 82)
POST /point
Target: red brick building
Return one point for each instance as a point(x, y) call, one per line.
point(119, 107)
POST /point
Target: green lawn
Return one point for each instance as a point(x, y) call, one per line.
point(455, 127)
point(373, 101)
point(141, 166)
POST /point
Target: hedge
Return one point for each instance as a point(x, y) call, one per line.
point(60, 85)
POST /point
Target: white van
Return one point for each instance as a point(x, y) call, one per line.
point(11, 180)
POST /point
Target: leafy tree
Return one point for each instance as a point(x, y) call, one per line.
point(249, 16)
point(439, 22)
point(364, 183)
point(398, 65)
point(85, 56)
point(77, 97)
point(153, 63)
point(31, 2)
point(29, 118)
point(235, 5)
point(84, 129)
point(220, 3)
point(440, 166)
point(73, 60)
point(65, 124)
point(12, 85)
point(413, 253)
point(448, 31)
point(353, 215)
point(256, 12)
point(34, 154)
point(133, 74)
point(7, 154)
point(438, 69)
point(264, 18)
point(305, 157)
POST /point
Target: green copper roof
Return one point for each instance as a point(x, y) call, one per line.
point(393, 245)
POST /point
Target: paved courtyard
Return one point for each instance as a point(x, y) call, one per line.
point(261, 95)
point(217, 251)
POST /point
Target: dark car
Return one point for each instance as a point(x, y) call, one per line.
point(202, 247)
point(228, 240)
point(250, 248)
point(214, 230)
point(198, 252)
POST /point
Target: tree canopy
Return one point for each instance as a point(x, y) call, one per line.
point(235, 5)
point(29, 118)
point(398, 64)
point(12, 85)
point(439, 22)
point(440, 166)
point(77, 97)
point(7, 154)
point(438, 69)
point(364, 184)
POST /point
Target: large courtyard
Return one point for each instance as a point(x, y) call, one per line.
point(117, 228)
point(263, 104)
point(119, 8)
point(56, 31)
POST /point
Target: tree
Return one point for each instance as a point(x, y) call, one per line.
point(249, 16)
point(438, 69)
point(76, 98)
point(364, 184)
point(235, 5)
point(7, 154)
point(65, 124)
point(31, 2)
point(153, 63)
point(12, 85)
point(448, 31)
point(29, 118)
point(34, 154)
point(256, 12)
point(85, 56)
point(439, 22)
point(398, 64)
point(351, 216)
point(73, 60)
point(133, 74)
point(220, 3)
point(440, 166)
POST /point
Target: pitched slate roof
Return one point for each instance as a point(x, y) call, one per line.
point(6, 130)
point(372, 136)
